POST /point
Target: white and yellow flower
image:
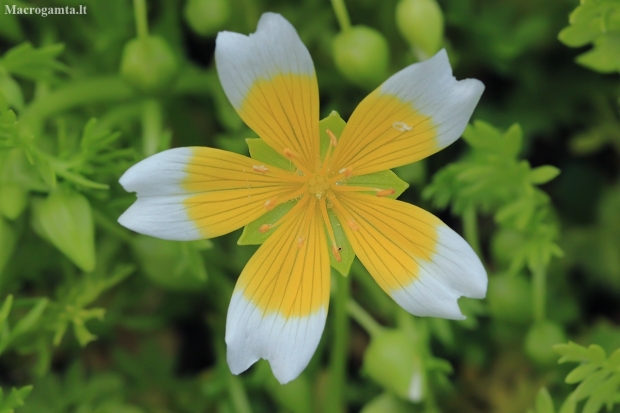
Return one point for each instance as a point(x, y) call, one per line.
point(280, 302)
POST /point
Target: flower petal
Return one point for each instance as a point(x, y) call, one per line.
point(193, 193)
point(412, 115)
point(417, 259)
point(269, 78)
point(279, 305)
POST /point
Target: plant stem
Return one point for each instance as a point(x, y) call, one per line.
point(142, 28)
point(363, 318)
point(340, 9)
point(470, 228)
point(539, 293)
point(238, 396)
point(151, 127)
point(334, 402)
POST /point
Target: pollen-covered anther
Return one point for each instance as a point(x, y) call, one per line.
point(300, 242)
point(346, 171)
point(289, 153)
point(261, 169)
point(332, 138)
point(336, 252)
point(385, 192)
point(264, 228)
point(401, 126)
point(352, 225)
point(270, 203)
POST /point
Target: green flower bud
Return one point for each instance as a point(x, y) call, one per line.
point(7, 242)
point(386, 403)
point(13, 200)
point(148, 64)
point(540, 340)
point(65, 219)
point(504, 244)
point(420, 22)
point(392, 360)
point(207, 17)
point(361, 54)
point(510, 298)
point(171, 264)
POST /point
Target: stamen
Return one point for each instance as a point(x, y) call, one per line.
point(270, 204)
point(295, 159)
point(264, 228)
point(352, 225)
point(342, 174)
point(330, 231)
point(336, 252)
point(261, 169)
point(332, 138)
point(386, 192)
point(346, 171)
point(332, 144)
point(290, 154)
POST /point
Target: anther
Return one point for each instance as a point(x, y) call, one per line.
point(332, 138)
point(261, 169)
point(289, 153)
point(300, 242)
point(264, 228)
point(270, 204)
point(385, 192)
point(353, 225)
point(401, 126)
point(346, 171)
point(336, 252)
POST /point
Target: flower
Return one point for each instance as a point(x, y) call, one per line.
point(279, 305)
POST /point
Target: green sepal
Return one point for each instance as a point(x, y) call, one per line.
point(381, 180)
point(335, 124)
point(347, 254)
point(251, 234)
point(262, 152)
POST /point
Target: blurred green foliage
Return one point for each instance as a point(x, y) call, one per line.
point(533, 186)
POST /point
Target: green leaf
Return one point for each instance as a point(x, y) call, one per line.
point(14, 400)
point(7, 242)
point(571, 352)
point(589, 385)
point(569, 406)
point(543, 174)
point(581, 372)
point(262, 152)
point(596, 354)
point(544, 404)
point(174, 265)
point(31, 63)
point(614, 359)
point(65, 219)
point(605, 56)
point(13, 200)
point(30, 319)
point(6, 309)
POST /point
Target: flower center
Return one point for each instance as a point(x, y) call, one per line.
point(318, 185)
